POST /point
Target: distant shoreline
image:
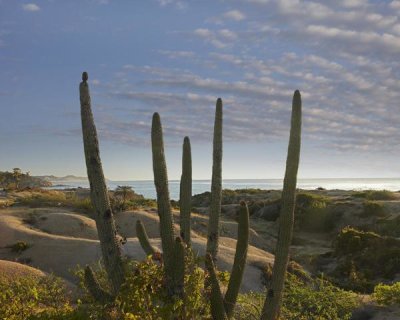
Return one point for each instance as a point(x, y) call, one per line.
point(146, 187)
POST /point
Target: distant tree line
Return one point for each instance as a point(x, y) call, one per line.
point(17, 180)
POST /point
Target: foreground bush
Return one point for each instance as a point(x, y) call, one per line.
point(387, 294)
point(29, 296)
point(143, 296)
point(317, 299)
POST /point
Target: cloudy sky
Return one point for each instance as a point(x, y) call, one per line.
point(177, 57)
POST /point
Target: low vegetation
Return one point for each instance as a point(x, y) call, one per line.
point(374, 209)
point(363, 257)
point(52, 198)
point(375, 195)
point(144, 297)
point(313, 214)
point(28, 297)
point(386, 294)
point(18, 247)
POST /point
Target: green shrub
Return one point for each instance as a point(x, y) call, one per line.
point(318, 299)
point(387, 294)
point(19, 247)
point(51, 198)
point(388, 227)
point(375, 195)
point(312, 213)
point(44, 199)
point(363, 257)
point(373, 209)
point(143, 296)
point(29, 296)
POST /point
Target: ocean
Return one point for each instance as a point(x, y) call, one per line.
point(147, 189)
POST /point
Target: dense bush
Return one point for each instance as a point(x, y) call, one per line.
point(28, 296)
point(312, 213)
point(143, 296)
point(316, 299)
point(387, 294)
point(373, 209)
point(363, 257)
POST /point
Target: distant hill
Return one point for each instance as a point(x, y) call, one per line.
point(54, 179)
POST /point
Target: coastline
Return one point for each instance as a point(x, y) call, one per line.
point(146, 187)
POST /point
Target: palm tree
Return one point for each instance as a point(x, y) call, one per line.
point(126, 193)
point(17, 173)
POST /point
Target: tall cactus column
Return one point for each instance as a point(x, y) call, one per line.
point(186, 191)
point(163, 202)
point(274, 293)
point(110, 246)
point(216, 185)
point(223, 307)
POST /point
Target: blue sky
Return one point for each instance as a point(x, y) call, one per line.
point(176, 58)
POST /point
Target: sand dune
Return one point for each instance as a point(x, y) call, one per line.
point(11, 270)
point(60, 240)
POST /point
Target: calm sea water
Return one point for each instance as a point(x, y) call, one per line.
point(146, 188)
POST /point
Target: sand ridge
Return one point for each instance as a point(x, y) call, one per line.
point(61, 239)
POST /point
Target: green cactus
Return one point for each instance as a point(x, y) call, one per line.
point(93, 286)
point(274, 293)
point(238, 266)
point(239, 262)
point(110, 246)
point(173, 256)
point(144, 239)
point(163, 201)
point(186, 191)
point(216, 299)
point(216, 185)
point(179, 271)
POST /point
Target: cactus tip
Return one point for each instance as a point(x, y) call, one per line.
point(297, 93)
point(156, 117)
point(242, 203)
point(85, 76)
point(219, 101)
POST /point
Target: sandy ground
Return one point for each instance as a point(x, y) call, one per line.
point(10, 270)
point(60, 240)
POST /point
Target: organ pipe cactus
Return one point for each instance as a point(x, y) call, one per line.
point(185, 197)
point(107, 233)
point(93, 286)
point(173, 255)
point(229, 301)
point(144, 239)
point(274, 293)
point(163, 201)
point(216, 185)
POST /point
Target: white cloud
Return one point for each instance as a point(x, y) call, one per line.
point(235, 15)
point(395, 5)
point(32, 7)
point(354, 3)
point(177, 54)
point(219, 39)
point(177, 3)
